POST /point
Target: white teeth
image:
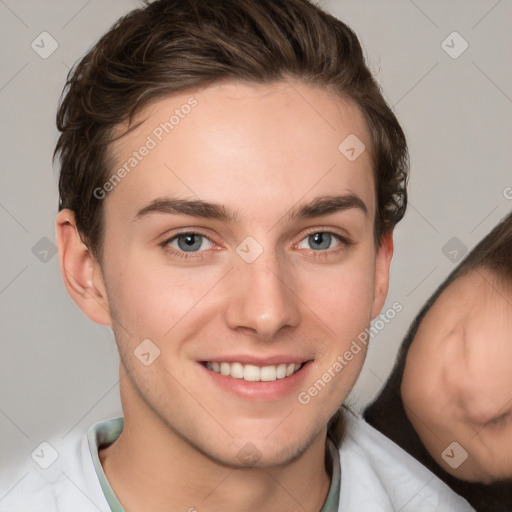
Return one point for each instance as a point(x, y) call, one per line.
point(253, 373)
point(281, 371)
point(268, 373)
point(237, 371)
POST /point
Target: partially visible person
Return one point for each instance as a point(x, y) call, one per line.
point(448, 401)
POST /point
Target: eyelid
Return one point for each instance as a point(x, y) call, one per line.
point(165, 244)
point(344, 239)
point(326, 229)
point(204, 238)
point(187, 231)
point(304, 234)
point(498, 420)
point(493, 422)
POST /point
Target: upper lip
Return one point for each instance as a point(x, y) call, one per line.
point(257, 360)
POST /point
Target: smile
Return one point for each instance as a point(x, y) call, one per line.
point(253, 373)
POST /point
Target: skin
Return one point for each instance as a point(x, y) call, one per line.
point(260, 151)
point(457, 383)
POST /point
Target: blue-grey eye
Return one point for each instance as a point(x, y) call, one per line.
point(190, 242)
point(319, 241)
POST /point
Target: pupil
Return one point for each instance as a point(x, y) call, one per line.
point(320, 240)
point(189, 242)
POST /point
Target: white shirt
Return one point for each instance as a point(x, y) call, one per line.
point(376, 476)
point(379, 476)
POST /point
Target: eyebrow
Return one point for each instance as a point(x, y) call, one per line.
point(327, 205)
point(323, 205)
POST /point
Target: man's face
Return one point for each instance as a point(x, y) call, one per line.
point(276, 274)
point(457, 383)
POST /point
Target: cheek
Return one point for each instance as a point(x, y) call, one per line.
point(420, 389)
point(152, 299)
point(340, 295)
point(339, 300)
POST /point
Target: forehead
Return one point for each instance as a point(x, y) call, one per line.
point(475, 305)
point(478, 298)
point(236, 143)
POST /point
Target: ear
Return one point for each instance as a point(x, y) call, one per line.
point(80, 270)
point(382, 264)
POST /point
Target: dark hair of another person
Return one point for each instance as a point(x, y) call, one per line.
point(387, 413)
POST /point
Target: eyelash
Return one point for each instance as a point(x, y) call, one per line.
point(182, 255)
point(500, 421)
point(345, 243)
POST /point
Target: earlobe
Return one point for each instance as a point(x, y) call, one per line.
point(382, 264)
point(80, 270)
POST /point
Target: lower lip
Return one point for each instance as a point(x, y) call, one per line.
point(261, 390)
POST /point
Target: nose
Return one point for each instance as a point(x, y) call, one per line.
point(261, 300)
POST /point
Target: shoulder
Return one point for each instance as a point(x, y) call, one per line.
point(377, 475)
point(29, 492)
point(66, 480)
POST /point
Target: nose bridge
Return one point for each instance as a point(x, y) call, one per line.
point(262, 299)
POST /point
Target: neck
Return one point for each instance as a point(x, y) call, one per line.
point(150, 467)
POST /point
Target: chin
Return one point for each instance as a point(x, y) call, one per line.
point(249, 456)
point(259, 451)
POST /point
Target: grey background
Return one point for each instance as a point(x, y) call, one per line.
point(59, 371)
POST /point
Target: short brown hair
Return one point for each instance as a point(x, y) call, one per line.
point(170, 46)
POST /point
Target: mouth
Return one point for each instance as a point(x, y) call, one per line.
point(254, 373)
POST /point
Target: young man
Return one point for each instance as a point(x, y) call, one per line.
point(230, 180)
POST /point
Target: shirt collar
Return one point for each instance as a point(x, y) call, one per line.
point(99, 436)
